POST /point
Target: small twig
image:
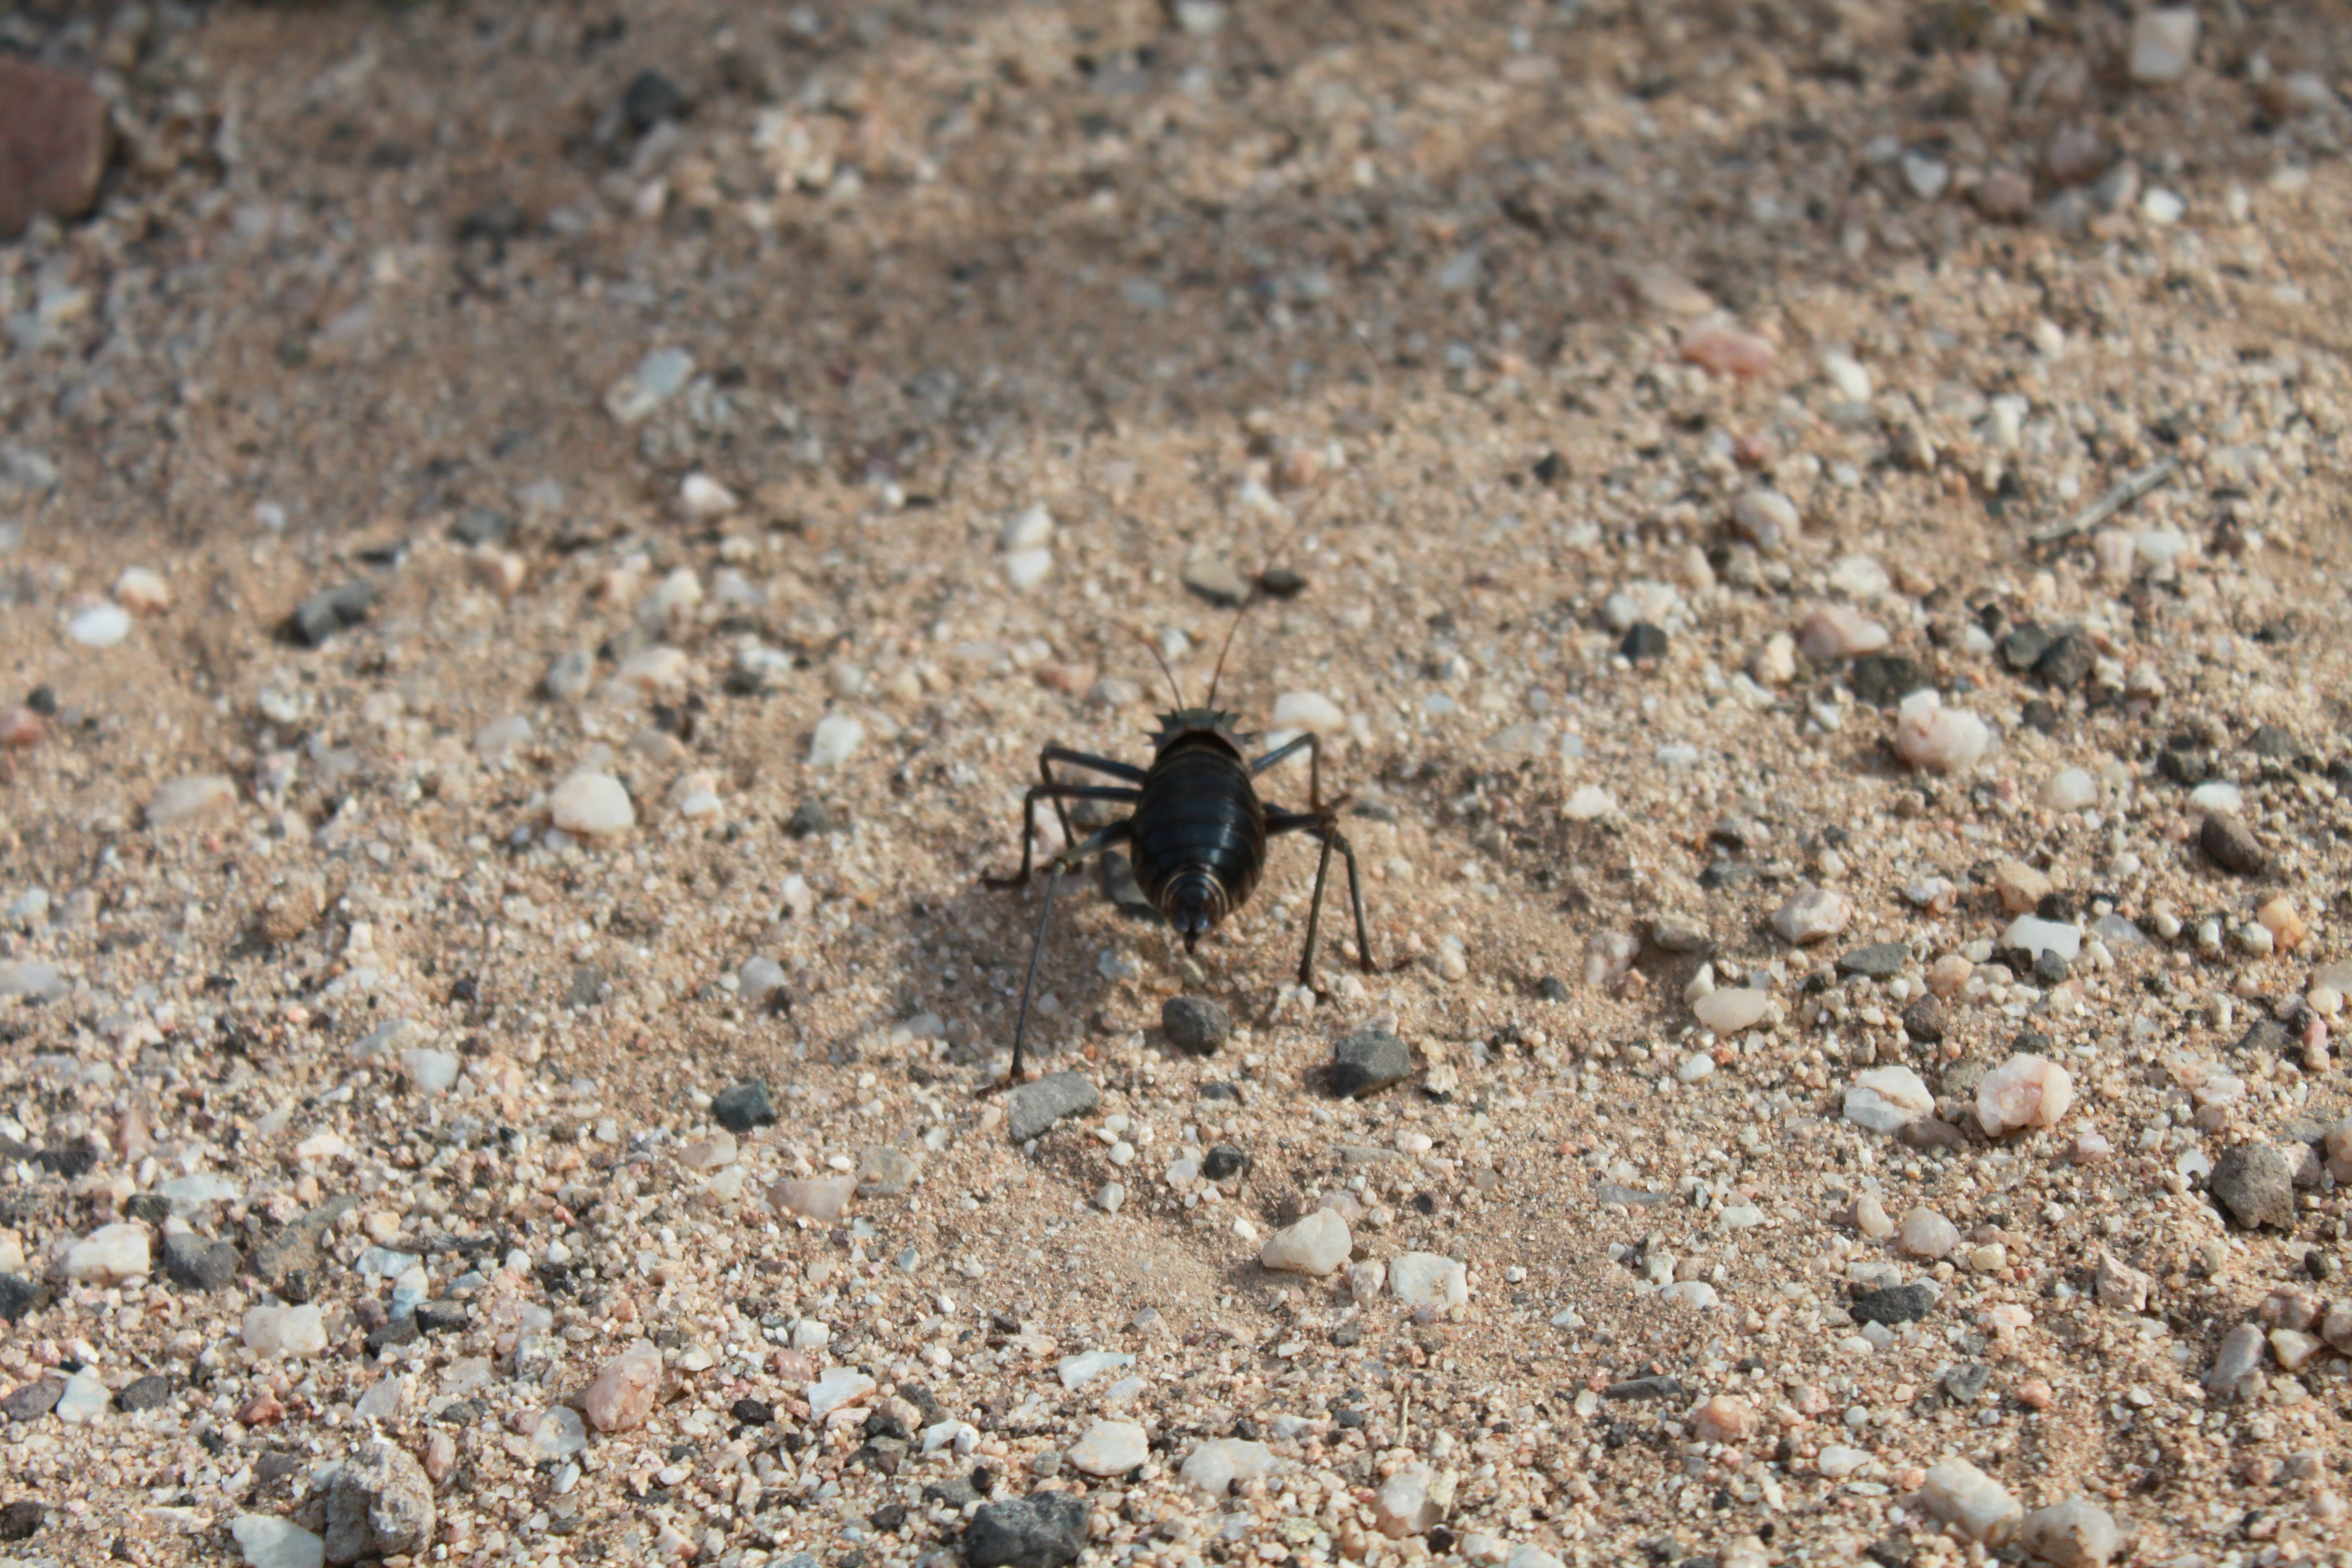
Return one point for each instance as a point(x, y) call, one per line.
point(2122, 495)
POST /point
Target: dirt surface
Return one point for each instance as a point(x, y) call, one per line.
point(535, 590)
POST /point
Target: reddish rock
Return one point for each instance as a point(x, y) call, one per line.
point(1724, 350)
point(53, 139)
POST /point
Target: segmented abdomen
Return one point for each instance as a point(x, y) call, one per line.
point(1199, 815)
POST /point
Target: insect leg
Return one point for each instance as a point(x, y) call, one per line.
point(1110, 765)
point(1326, 826)
point(1116, 833)
point(1313, 766)
point(1056, 793)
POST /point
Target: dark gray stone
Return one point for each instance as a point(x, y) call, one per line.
point(810, 817)
point(196, 1263)
point(379, 1503)
point(2232, 845)
point(585, 988)
point(1895, 1304)
point(2268, 1038)
point(31, 1401)
point(1930, 1132)
point(323, 614)
point(2022, 649)
point(1924, 1020)
point(649, 98)
point(743, 1107)
point(1879, 960)
point(18, 1296)
point(1645, 1388)
point(1048, 1531)
point(1367, 1061)
point(1643, 642)
point(1034, 1107)
point(145, 1394)
point(1967, 1382)
point(1223, 1162)
point(2066, 663)
point(2272, 742)
point(1195, 1024)
point(478, 524)
point(1885, 680)
point(2255, 1184)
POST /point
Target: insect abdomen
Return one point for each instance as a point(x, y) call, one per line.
point(1199, 835)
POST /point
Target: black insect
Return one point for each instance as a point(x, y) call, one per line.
point(1197, 834)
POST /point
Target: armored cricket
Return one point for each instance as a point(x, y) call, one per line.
point(1198, 832)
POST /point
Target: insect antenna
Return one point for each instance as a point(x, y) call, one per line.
point(1161, 660)
point(1257, 592)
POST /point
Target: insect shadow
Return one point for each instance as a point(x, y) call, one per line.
point(1196, 831)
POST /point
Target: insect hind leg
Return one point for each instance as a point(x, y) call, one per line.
point(1325, 826)
point(1313, 745)
point(1117, 832)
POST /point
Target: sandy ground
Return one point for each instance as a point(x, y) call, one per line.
point(744, 473)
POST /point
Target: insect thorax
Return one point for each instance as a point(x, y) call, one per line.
point(1215, 721)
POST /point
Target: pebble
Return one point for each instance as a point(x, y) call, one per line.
point(1033, 1108)
point(286, 1332)
point(1722, 349)
point(660, 376)
point(570, 676)
point(1077, 1371)
point(821, 1199)
point(428, 1071)
point(2237, 1369)
point(1194, 1024)
point(379, 1504)
point(83, 1400)
point(1032, 528)
point(317, 618)
point(593, 805)
point(1588, 803)
point(622, 1394)
point(100, 626)
point(2163, 44)
point(1214, 1465)
point(1811, 915)
point(109, 1255)
point(1940, 740)
point(2255, 1183)
point(1367, 1061)
point(1924, 1233)
point(2120, 1286)
point(268, 1541)
point(1724, 1419)
point(1311, 712)
point(2232, 844)
point(1410, 1502)
point(1110, 1449)
point(1731, 1010)
point(1317, 1244)
point(711, 1152)
point(54, 143)
point(2020, 886)
point(194, 798)
point(1894, 1304)
point(743, 1107)
point(2070, 789)
point(1977, 1507)
point(1025, 569)
point(2026, 1090)
point(2030, 933)
point(1421, 1279)
point(1884, 1100)
point(1836, 632)
point(1047, 1530)
point(837, 740)
point(1766, 519)
point(2075, 1534)
point(1213, 578)
point(195, 1263)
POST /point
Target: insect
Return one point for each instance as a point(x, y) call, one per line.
point(1197, 833)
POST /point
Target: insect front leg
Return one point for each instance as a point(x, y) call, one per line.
point(1056, 793)
point(1117, 833)
point(1314, 748)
